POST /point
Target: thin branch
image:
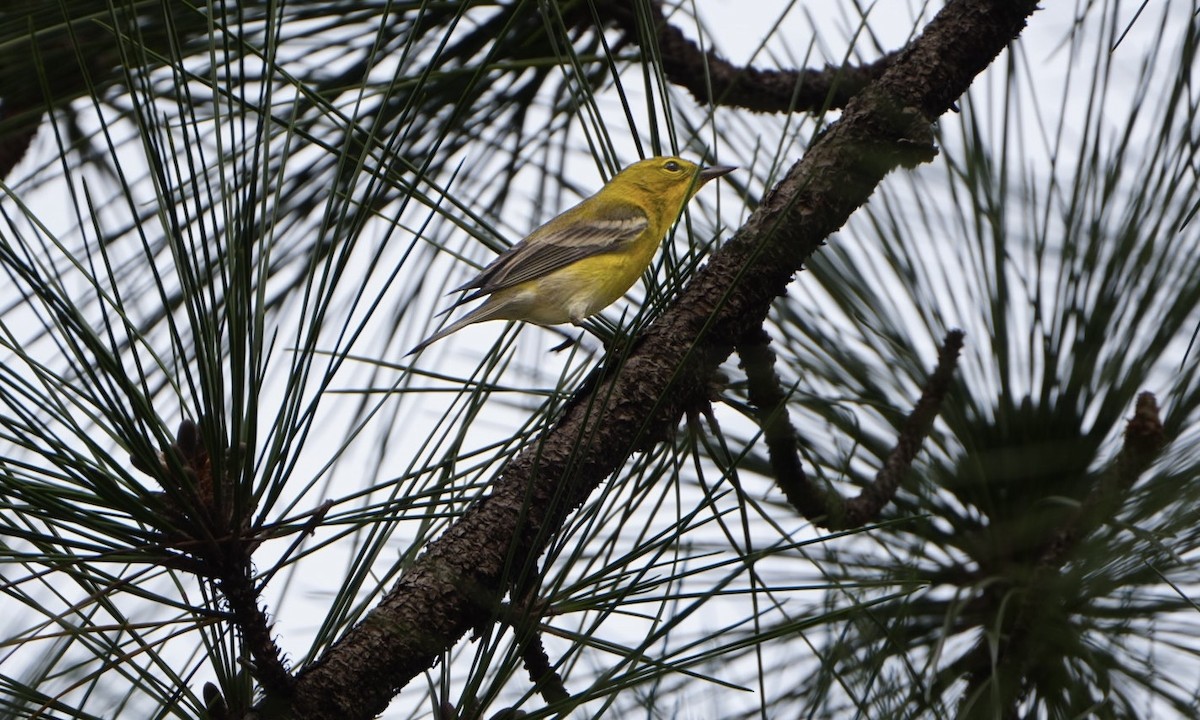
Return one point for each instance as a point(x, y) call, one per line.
point(213, 532)
point(825, 508)
point(866, 507)
point(545, 678)
point(713, 80)
point(256, 629)
point(1143, 441)
point(524, 615)
point(783, 448)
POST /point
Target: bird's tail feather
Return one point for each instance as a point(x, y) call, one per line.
point(486, 311)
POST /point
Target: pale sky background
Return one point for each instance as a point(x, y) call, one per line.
point(299, 600)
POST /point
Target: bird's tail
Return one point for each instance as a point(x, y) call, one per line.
point(487, 311)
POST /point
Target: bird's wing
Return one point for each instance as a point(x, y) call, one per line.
point(564, 240)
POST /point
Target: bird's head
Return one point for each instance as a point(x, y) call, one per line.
point(669, 178)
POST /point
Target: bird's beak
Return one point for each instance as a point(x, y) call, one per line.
point(714, 172)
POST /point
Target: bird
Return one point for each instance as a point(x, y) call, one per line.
point(586, 258)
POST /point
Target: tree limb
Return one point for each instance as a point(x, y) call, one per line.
point(770, 406)
point(712, 79)
point(827, 509)
point(866, 507)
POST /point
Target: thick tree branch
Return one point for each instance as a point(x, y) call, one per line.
point(712, 79)
point(461, 578)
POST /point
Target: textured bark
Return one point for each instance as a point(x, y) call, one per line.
point(462, 576)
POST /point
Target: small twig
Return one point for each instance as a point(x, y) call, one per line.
point(866, 507)
point(770, 404)
point(827, 509)
point(216, 541)
point(1143, 441)
point(545, 678)
point(523, 616)
point(269, 669)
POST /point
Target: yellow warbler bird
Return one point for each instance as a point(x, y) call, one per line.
point(586, 258)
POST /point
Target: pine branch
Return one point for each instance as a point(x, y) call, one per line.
point(866, 507)
point(460, 580)
point(714, 80)
point(995, 669)
point(770, 404)
point(827, 509)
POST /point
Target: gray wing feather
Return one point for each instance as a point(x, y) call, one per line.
point(555, 245)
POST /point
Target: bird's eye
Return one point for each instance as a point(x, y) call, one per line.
point(671, 166)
